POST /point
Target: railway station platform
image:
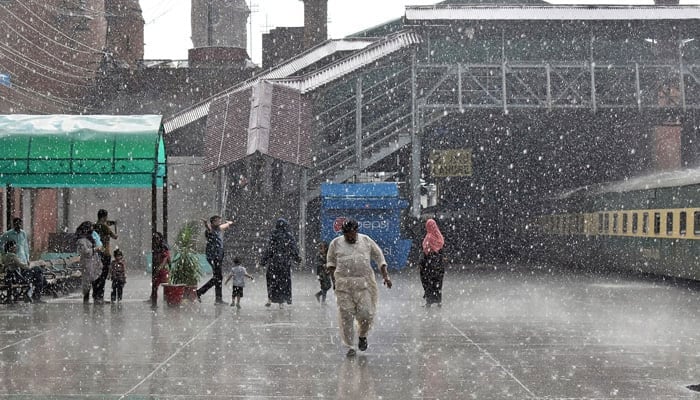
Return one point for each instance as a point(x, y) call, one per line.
point(503, 332)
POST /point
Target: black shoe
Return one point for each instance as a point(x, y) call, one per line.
point(351, 353)
point(220, 303)
point(318, 297)
point(362, 344)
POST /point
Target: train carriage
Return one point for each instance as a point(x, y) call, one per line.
point(648, 224)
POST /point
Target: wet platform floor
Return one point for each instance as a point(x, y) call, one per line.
point(502, 333)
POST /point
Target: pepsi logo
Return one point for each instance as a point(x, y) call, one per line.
point(338, 224)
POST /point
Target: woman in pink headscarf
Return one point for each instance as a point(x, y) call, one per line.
point(431, 268)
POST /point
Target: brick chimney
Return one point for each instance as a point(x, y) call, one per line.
point(124, 30)
point(315, 22)
point(219, 32)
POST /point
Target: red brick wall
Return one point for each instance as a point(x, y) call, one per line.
point(125, 30)
point(52, 50)
point(667, 147)
point(44, 219)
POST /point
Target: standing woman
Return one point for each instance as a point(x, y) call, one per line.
point(432, 270)
point(278, 256)
point(160, 262)
point(90, 262)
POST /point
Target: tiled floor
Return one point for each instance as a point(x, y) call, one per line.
point(502, 333)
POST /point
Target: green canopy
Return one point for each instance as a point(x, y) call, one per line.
point(82, 151)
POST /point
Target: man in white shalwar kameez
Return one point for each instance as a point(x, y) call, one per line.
point(348, 262)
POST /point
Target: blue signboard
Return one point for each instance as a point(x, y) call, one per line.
point(376, 207)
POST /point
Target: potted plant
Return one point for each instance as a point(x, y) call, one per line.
point(185, 269)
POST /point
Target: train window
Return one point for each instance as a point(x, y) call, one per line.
point(645, 223)
point(683, 223)
point(615, 223)
point(600, 223)
point(558, 225)
point(669, 223)
point(657, 223)
point(606, 223)
point(635, 222)
point(696, 223)
point(624, 223)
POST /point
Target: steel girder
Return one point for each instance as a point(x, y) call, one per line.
point(585, 85)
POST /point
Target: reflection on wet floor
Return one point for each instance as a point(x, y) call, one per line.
point(501, 333)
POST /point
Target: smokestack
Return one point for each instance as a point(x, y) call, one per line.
point(315, 22)
point(220, 23)
point(219, 33)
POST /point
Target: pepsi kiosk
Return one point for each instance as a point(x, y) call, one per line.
point(376, 207)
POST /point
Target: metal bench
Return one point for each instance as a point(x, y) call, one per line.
point(17, 290)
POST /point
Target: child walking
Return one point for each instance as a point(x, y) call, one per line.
point(238, 274)
point(323, 277)
point(117, 272)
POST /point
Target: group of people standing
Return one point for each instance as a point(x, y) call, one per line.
point(93, 246)
point(344, 264)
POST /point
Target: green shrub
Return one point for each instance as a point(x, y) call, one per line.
point(185, 268)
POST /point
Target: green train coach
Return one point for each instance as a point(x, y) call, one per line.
point(648, 224)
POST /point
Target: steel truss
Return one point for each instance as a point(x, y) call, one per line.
point(552, 85)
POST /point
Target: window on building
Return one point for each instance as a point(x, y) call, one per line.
point(624, 223)
point(669, 223)
point(635, 222)
point(615, 221)
point(600, 222)
point(683, 223)
point(696, 223)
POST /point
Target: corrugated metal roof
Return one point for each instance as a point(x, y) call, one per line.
point(388, 45)
point(664, 179)
point(573, 12)
point(283, 70)
point(187, 117)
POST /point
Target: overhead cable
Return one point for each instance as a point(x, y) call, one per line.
point(48, 38)
point(50, 54)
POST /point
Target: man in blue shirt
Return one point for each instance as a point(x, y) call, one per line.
point(20, 237)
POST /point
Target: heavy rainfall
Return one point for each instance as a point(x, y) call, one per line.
point(473, 199)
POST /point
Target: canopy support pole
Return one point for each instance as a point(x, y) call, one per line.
point(7, 216)
point(165, 204)
point(302, 216)
point(154, 222)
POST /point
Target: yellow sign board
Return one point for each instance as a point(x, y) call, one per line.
point(453, 162)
